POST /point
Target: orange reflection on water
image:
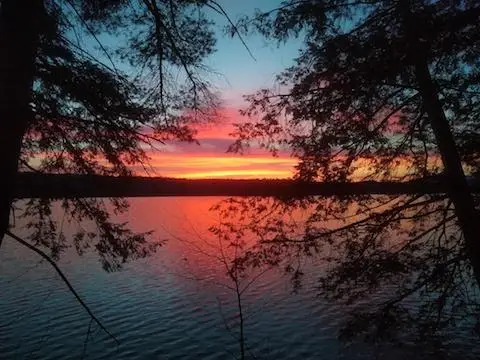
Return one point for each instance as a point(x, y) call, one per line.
point(195, 252)
point(192, 250)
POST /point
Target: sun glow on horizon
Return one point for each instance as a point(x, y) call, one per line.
point(238, 174)
point(198, 166)
point(208, 158)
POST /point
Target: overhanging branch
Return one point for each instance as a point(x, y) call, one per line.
point(65, 280)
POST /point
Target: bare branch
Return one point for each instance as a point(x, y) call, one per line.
point(219, 9)
point(65, 280)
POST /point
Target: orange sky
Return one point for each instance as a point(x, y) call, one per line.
point(210, 159)
point(221, 165)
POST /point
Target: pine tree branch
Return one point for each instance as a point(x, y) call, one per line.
point(92, 33)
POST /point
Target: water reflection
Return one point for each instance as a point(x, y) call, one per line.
point(397, 264)
point(240, 278)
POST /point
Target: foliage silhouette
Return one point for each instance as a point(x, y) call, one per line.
point(383, 89)
point(87, 87)
point(398, 264)
point(386, 90)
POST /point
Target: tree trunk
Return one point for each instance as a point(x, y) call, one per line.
point(458, 189)
point(20, 25)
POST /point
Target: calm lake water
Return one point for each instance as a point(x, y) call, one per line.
point(177, 304)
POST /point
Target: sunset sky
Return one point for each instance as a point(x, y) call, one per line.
point(241, 74)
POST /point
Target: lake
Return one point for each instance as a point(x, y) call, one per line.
point(177, 304)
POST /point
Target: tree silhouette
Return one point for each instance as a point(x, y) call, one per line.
point(397, 264)
point(87, 87)
point(383, 90)
point(378, 86)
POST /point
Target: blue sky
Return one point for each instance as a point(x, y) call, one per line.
point(242, 73)
point(239, 72)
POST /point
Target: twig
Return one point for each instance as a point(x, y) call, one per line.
point(25, 272)
point(92, 33)
point(84, 352)
point(220, 10)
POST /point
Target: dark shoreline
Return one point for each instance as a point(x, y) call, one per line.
point(32, 185)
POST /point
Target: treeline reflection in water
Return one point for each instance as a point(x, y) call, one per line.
point(331, 278)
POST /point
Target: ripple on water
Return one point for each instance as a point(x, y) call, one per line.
point(157, 312)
